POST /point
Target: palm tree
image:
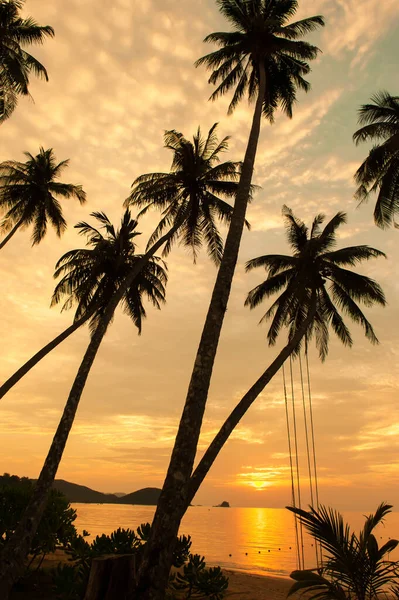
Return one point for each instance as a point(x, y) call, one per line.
point(380, 170)
point(264, 57)
point(93, 275)
point(315, 290)
point(29, 191)
point(189, 195)
point(16, 64)
point(353, 566)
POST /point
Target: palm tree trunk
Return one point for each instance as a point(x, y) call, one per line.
point(15, 552)
point(239, 411)
point(173, 500)
point(11, 381)
point(13, 230)
point(7, 385)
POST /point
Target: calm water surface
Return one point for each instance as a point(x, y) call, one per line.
point(259, 540)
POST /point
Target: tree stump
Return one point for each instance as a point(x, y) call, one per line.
point(112, 577)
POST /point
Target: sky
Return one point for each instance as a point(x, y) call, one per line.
point(121, 74)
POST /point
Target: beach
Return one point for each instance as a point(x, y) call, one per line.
point(245, 586)
point(242, 585)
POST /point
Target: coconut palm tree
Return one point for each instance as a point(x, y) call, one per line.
point(16, 65)
point(315, 291)
point(189, 196)
point(93, 275)
point(354, 566)
point(379, 172)
point(29, 192)
point(265, 58)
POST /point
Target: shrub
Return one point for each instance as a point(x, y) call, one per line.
point(195, 581)
point(354, 566)
point(57, 525)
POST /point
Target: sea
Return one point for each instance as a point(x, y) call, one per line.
point(260, 541)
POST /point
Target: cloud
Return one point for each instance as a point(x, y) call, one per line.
point(349, 26)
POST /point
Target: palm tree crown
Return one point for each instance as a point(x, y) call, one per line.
point(90, 276)
point(29, 190)
point(262, 36)
point(315, 274)
point(16, 64)
point(380, 170)
point(190, 194)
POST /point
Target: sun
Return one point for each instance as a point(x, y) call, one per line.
point(259, 485)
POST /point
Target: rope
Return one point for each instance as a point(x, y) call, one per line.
point(307, 447)
point(291, 469)
point(313, 445)
point(296, 458)
point(312, 431)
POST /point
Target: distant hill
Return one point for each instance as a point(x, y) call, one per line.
point(119, 494)
point(81, 493)
point(147, 496)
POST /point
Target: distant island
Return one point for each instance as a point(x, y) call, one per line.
point(81, 493)
point(223, 504)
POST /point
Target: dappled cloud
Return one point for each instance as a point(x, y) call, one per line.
point(121, 74)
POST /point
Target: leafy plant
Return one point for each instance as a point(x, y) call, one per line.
point(56, 527)
point(67, 582)
point(181, 552)
point(196, 581)
point(354, 566)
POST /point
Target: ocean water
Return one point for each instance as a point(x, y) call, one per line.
point(255, 540)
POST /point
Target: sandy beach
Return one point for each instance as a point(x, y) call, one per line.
point(245, 586)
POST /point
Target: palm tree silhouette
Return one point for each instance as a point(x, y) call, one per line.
point(29, 191)
point(315, 290)
point(354, 566)
point(264, 58)
point(93, 275)
point(189, 195)
point(379, 172)
point(16, 65)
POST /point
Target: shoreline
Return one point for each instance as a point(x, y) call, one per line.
point(251, 586)
point(243, 585)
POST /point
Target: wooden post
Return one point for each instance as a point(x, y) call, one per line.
point(112, 577)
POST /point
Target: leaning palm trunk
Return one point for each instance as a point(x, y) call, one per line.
point(36, 358)
point(22, 371)
point(14, 554)
point(239, 411)
point(173, 500)
point(13, 230)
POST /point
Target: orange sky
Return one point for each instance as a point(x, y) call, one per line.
point(119, 77)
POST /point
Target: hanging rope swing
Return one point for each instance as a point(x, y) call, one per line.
point(292, 435)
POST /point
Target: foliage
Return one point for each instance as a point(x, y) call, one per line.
point(196, 581)
point(315, 274)
point(91, 276)
point(30, 192)
point(191, 195)
point(70, 581)
point(354, 566)
point(16, 65)
point(379, 172)
point(262, 37)
point(57, 525)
